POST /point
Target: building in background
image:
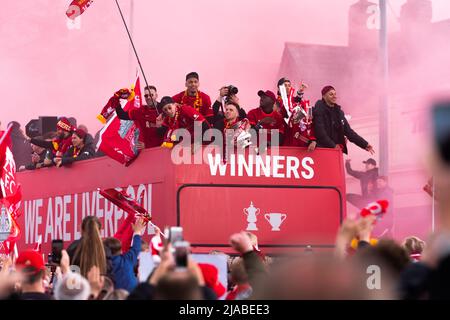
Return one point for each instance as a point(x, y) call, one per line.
point(355, 72)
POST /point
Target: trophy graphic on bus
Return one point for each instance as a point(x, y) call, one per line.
point(275, 220)
point(251, 213)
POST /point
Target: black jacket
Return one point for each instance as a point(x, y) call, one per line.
point(331, 127)
point(364, 177)
point(87, 152)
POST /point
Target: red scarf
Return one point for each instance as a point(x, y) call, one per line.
point(198, 100)
point(173, 124)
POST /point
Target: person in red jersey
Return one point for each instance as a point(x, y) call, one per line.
point(193, 97)
point(266, 117)
point(177, 116)
point(146, 119)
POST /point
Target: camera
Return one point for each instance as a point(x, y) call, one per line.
point(232, 90)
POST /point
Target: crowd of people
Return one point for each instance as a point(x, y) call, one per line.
point(93, 268)
point(287, 113)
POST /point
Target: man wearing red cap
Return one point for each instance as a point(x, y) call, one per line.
point(80, 150)
point(31, 265)
point(63, 140)
point(265, 117)
point(331, 128)
point(193, 97)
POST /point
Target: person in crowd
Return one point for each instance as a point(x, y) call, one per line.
point(178, 116)
point(211, 278)
point(31, 265)
point(231, 120)
point(254, 266)
point(63, 140)
point(383, 190)
point(367, 177)
point(89, 137)
point(300, 129)
point(226, 94)
point(167, 282)
point(241, 289)
point(193, 97)
point(294, 98)
point(37, 158)
point(265, 117)
point(88, 251)
point(80, 150)
point(20, 145)
point(72, 286)
point(370, 174)
point(146, 118)
point(414, 247)
point(151, 97)
point(331, 128)
point(123, 264)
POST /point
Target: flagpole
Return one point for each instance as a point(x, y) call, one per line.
point(134, 49)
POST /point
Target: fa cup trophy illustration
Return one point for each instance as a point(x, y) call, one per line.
point(251, 213)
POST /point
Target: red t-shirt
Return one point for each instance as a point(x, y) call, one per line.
point(257, 114)
point(185, 117)
point(204, 102)
point(145, 119)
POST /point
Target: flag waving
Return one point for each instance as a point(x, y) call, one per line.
point(77, 8)
point(119, 138)
point(10, 196)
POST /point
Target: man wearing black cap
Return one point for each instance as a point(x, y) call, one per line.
point(265, 117)
point(193, 97)
point(330, 125)
point(366, 178)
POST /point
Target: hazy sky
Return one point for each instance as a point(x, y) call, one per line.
point(48, 69)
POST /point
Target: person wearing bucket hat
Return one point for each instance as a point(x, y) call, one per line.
point(331, 127)
point(80, 150)
point(266, 117)
point(193, 97)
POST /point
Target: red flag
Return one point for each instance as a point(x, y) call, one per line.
point(378, 209)
point(118, 139)
point(10, 196)
point(77, 7)
point(134, 210)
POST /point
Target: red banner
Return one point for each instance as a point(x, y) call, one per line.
point(118, 139)
point(77, 8)
point(10, 196)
